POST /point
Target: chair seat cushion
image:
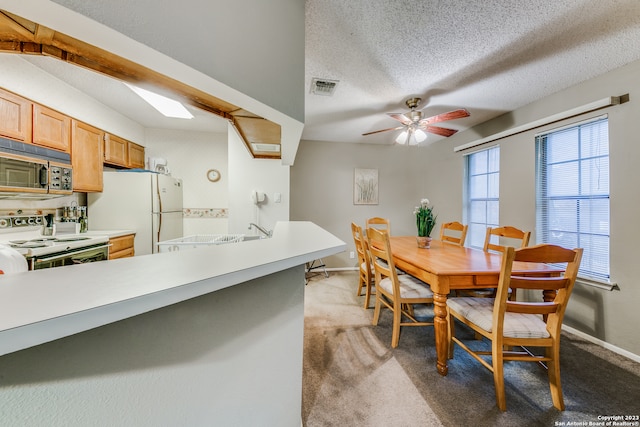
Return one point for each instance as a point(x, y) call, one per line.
point(381, 262)
point(479, 311)
point(410, 287)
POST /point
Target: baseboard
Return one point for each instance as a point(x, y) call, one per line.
point(342, 269)
point(608, 346)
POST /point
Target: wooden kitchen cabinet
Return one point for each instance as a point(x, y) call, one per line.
point(121, 247)
point(116, 150)
point(86, 157)
point(15, 117)
point(120, 152)
point(51, 129)
point(136, 156)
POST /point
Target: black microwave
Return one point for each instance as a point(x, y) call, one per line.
point(26, 177)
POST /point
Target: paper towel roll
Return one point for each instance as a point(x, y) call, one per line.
point(12, 261)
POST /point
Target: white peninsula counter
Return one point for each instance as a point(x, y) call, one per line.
point(208, 336)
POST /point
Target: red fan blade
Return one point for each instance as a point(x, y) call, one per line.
point(382, 130)
point(401, 118)
point(451, 115)
point(438, 130)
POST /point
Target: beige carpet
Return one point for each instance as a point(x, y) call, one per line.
point(352, 377)
point(349, 369)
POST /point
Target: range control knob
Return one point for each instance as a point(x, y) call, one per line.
point(4, 223)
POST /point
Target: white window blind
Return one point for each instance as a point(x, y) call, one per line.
point(572, 192)
point(482, 194)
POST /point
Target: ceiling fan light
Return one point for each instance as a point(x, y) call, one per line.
point(402, 138)
point(419, 135)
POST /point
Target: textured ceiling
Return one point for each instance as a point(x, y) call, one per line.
point(488, 56)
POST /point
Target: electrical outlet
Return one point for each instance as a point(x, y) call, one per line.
point(352, 255)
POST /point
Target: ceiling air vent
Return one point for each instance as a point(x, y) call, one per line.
point(265, 148)
point(323, 87)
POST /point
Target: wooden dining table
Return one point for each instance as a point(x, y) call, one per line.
point(446, 267)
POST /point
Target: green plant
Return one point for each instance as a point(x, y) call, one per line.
point(425, 219)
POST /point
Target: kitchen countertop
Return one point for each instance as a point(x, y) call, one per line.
point(110, 233)
point(44, 305)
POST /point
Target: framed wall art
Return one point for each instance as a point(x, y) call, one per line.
point(365, 186)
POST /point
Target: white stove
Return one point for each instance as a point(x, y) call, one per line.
point(24, 234)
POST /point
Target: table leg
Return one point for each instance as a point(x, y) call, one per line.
point(441, 331)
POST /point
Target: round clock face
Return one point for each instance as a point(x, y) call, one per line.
point(213, 175)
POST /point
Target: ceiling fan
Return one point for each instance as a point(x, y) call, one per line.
point(414, 126)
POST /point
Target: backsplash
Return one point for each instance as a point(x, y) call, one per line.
point(205, 213)
point(40, 207)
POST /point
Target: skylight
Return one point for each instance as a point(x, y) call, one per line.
point(168, 107)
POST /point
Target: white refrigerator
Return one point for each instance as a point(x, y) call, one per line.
point(146, 202)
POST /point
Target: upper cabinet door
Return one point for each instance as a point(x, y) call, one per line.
point(51, 129)
point(86, 157)
point(115, 150)
point(136, 156)
point(15, 117)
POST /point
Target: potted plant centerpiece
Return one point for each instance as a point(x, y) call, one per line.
point(425, 220)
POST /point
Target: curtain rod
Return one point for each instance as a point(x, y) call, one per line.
point(592, 106)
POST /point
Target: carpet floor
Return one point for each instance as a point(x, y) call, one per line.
point(352, 376)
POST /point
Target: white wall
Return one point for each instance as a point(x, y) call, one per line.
point(190, 155)
point(245, 176)
point(322, 188)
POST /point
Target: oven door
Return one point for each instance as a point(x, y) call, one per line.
point(77, 256)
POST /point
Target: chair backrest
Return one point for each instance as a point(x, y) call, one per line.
point(506, 232)
point(379, 223)
point(362, 249)
point(380, 249)
point(460, 233)
point(560, 286)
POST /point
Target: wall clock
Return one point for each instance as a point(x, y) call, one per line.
point(213, 175)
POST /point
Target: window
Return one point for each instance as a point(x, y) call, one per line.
point(482, 194)
point(572, 192)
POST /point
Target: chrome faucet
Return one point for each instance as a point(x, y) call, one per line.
point(265, 232)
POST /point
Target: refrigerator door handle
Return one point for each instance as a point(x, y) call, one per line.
point(159, 227)
point(158, 193)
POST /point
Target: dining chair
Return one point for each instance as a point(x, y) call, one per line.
point(379, 223)
point(506, 236)
point(364, 264)
point(397, 292)
point(382, 224)
point(459, 233)
point(509, 324)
